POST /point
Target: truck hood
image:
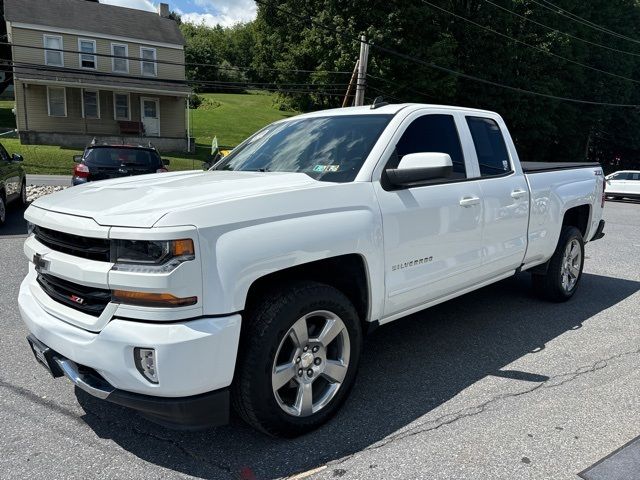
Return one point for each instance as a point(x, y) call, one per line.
point(141, 201)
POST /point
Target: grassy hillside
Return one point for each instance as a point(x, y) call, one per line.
point(230, 117)
point(236, 117)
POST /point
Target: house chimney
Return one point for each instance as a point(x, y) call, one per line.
point(163, 10)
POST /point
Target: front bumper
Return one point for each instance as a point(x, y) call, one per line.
point(194, 357)
point(186, 413)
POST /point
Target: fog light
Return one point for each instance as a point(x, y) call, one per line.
point(145, 360)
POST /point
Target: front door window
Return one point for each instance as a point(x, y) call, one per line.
point(151, 116)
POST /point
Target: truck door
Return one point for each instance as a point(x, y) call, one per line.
point(505, 197)
point(432, 233)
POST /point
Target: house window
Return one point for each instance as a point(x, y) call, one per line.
point(148, 63)
point(90, 104)
point(57, 101)
point(53, 56)
point(121, 106)
point(87, 47)
point(120, 65)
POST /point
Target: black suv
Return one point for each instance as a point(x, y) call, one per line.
point(13, 185)
point(100, 162)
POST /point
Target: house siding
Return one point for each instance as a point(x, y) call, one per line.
point(172, 113)
point(23, 36)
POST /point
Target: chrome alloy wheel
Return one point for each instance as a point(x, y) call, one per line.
point(571, 260)
point(311, 363)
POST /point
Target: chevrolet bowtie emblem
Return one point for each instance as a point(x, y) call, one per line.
point(40, 262)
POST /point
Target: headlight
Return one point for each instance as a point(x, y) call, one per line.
point(150, 256)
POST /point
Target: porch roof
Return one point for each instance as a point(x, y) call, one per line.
point(88, 80)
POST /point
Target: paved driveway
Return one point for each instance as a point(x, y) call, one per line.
point(494, 385)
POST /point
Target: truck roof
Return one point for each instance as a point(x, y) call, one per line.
point(390, 109)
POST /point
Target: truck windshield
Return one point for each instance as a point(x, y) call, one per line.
point(331, 149)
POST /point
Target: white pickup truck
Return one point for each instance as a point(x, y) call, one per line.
point(253, 283)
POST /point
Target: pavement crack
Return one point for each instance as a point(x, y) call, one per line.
point(450, 418)
point(177, 445)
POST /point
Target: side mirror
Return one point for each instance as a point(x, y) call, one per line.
point(420, 167)
point(77, 158)
point(17, 158)
point(166, 162)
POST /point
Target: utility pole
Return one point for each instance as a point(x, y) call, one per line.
point(352, 82)
point(362, 71)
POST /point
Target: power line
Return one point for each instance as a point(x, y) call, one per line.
point(450, 71)
point(41, 73)
point(385, 94)
point(583, 21)
point(169, 62)
point(569, 35)
point(130, 78)
point(539, 49)
point(402, 87)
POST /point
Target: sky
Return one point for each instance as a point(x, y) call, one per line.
point(211, 12)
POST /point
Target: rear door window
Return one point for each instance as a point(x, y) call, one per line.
point(620, 176)
point(4, 156)
point(116, 157)
point(491, 149)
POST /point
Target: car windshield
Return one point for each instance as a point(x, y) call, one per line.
point(115, 157)
point(331, 149)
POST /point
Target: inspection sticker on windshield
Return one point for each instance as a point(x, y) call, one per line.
point(326, 168)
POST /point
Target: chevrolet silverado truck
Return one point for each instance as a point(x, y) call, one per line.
point(252, 284)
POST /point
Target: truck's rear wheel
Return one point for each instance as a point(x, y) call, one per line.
point(565, 268)
point(298, 360)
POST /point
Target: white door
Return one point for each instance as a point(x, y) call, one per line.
point(617, 183)
point(633, 184)
point(505, 198)
point(150, 108)
point(432, 238)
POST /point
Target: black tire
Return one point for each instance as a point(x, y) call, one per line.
point(550, 285)
point(22, 200)
point(265, 326)
point(3, 208)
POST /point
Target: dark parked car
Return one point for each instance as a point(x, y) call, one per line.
point(99, 162)
point(13, 184)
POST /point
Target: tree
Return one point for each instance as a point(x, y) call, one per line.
point(539, 57)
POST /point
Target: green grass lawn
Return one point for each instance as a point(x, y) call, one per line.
point(231, 117)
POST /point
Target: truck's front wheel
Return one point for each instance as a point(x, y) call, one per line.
point(298, 359)
point(564, 269)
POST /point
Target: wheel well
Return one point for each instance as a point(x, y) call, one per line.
point(347, 273)
point(578, 217)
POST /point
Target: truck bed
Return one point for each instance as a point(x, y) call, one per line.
point(538, 167)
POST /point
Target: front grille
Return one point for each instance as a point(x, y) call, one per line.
point(84, 247)
point(89, 300)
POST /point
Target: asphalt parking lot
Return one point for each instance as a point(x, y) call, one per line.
point(493, 385)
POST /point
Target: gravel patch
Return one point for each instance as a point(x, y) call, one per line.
point(37, 191)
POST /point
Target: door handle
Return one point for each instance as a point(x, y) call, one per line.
point(469, 201)
point(518, 194)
